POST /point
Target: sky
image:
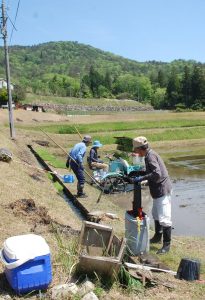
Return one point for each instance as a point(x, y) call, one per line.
point(142, 30)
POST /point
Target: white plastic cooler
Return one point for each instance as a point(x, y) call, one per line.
point(27, 262)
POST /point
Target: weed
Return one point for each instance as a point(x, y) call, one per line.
point(67, 251)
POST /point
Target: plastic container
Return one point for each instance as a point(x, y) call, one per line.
point(69, 178)
point(27, 263)
point(137, 234)
point(116, 166)
point(189, 269)
point(135, 159)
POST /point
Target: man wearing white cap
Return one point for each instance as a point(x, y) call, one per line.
point(75, 161)
point(160, 190)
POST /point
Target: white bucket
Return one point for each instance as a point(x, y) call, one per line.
point(137, 234)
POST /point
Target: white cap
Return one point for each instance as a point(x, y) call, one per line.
point(139, 142)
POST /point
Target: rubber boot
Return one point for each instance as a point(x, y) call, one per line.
point(157, 238)
point(80, 193)
point(167, 231)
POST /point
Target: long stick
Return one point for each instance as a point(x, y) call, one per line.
point(34, 167)
point(76, 129)
point(71, 158)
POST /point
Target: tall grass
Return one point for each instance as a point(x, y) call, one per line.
point(67, 251)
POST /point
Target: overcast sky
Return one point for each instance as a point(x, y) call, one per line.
point(142, 30)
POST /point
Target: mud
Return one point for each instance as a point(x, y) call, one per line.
point(38, 215)
point(28, 208)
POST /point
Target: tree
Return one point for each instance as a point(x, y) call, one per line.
point(108, 80)
point(158, 98)
point(95, 80)
point(3, 96)
point(186, 87)
point(197, 84)
point(19, 93)
point(173, 90)
point(161, 79)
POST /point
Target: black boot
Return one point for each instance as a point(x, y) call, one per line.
point(80, 193)
point(167, 231)
point(157, 238)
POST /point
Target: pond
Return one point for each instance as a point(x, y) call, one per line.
point(188, 201)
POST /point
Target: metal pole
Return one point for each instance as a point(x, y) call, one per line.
point(10, 108)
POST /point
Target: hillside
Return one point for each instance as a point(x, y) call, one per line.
point(70, 58)
point(77, 70)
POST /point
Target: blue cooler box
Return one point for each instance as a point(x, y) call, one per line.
point(27, 263)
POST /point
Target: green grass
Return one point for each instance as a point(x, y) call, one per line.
point(117, 126)
point(53, 160)
point(164, 135)
point(67, 251)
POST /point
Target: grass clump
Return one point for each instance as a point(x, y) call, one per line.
point(53, 160)
point(67, 255)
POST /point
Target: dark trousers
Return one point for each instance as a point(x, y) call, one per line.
point(79, 175)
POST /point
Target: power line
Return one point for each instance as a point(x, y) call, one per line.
point(13, 24)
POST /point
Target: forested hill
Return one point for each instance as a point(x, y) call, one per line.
point(78, 70)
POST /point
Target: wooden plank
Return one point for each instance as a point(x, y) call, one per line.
point(106, 266)
point(142, 267)
point(97, 225)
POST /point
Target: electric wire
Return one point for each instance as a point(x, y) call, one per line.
point(13, 24)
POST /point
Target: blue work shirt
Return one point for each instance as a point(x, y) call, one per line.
point(78, 152)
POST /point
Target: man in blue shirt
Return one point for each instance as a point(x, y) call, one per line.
point(76, 156)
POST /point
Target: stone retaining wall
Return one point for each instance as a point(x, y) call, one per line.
point(86, 108)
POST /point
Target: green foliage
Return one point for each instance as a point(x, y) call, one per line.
point(70, 69)
point(67, 251)
point(158, 98)
point(55, 162)
point(132, 284)
point(3, 96)
point(19, 93)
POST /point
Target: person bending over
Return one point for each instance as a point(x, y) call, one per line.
point(75, 161)
point(160, 189)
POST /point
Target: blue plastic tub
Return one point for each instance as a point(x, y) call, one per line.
point(69, 178)
point(31, 268)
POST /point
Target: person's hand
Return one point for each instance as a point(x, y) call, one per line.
point(138, 179)
point(129, 179)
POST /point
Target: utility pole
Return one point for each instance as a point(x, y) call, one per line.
point(10, 108)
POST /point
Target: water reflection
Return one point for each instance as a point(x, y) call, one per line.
point(190, 162)
point(188, 205)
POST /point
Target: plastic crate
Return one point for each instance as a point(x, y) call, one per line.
point(27, 263)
